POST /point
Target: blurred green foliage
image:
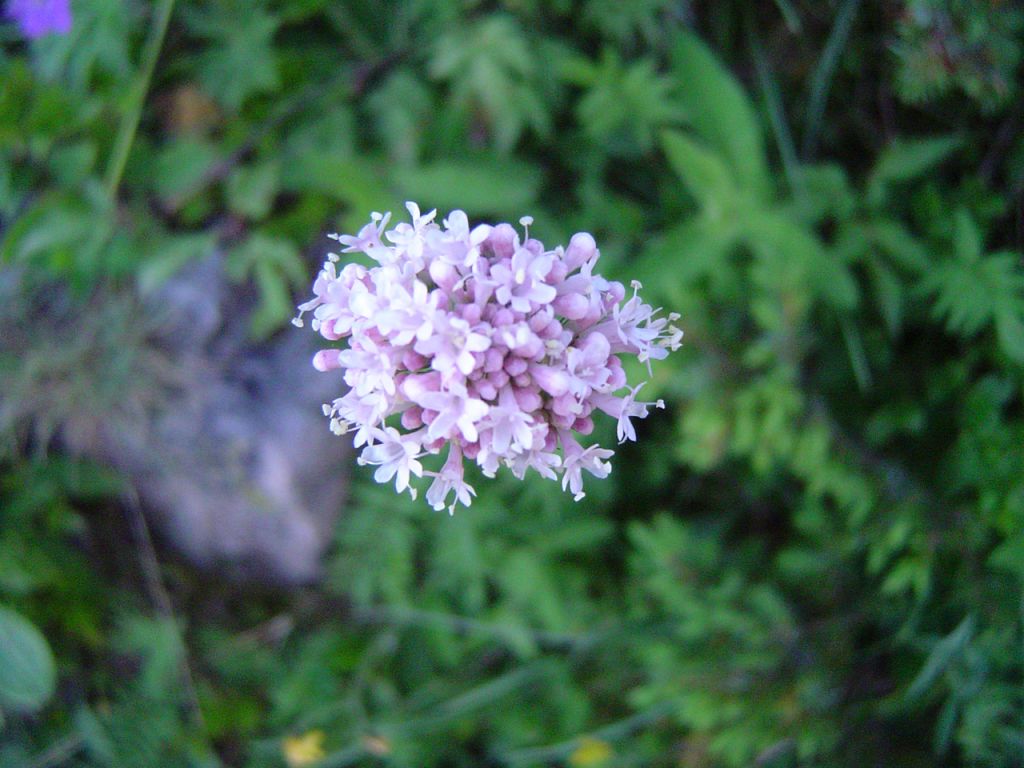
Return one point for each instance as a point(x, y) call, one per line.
point(814, 557)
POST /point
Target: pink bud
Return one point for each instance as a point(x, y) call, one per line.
point(329, 331)
point(539, 320)
point(571, 305)
point(494, 359)
point(584, 425)
point(551, 381)
point(414, 361)
point(503, 240)
point(581, 248)
point(531, 349)
point(617, 380)
point(562, 421)
point(528, 399)
point(565, 405)
point(559, 271)
point(412, 418)
point(594, 313)
point(498, 378)
point(482, 291)
point(616, 292)
point(415, 385)
point(552, 331)
point(503, 317)
point(443, 274)
point(515, 365)
point(327, 359)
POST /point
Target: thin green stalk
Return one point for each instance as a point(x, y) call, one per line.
point(611, 733)
point(821, 81)
point(133, 110)
point(790, 16)
point(776, 113)
point(463, 624)
point(59, 752)
point(858, 357)
point(474, 699)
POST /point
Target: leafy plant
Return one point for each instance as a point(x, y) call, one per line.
point(28, 675)
point(813, 556)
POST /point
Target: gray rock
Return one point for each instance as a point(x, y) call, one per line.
point(235, 465)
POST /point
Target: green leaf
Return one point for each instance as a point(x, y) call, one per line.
point(55, 221)
point(1010, 332)
point(355, 181)
point(171, 254)
point(791, 256)
point(180, 168)
point(274, 307)
point(719, 110)
point(330, 135)
point(826, 193)
point(95, 737)
point(943, 654)
point(897, 242)
point(686, 256)
point(72, 163)
point(480, 186)
point(702, 170)
point(624, 103)
point(402, 107)
point(888, 295)
point(970, 294)
point(906, 160)
point(276, 265)
point(71, 236)
point(493, 70)
point(241, 60)
point(98, 42)
point(157, 643)
point(967, 240)
point(251, 189)
point(28, 673)
point(1009, 556)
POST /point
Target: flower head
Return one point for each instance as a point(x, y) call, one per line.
point(469, 338)
point(37, 18)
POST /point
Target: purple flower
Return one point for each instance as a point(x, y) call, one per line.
point(471, 339)
point(393, 457)
point(456, 414)
point(577, 458)
point(508, 423)
point(37, 18)
point(448, 480)
point(521, 284)
point(452, 346)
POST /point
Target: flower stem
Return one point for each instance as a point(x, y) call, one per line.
point(133, 110)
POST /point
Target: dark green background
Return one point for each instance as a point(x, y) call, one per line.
point(814, 556)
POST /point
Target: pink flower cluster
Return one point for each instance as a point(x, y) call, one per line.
point(470, 338)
